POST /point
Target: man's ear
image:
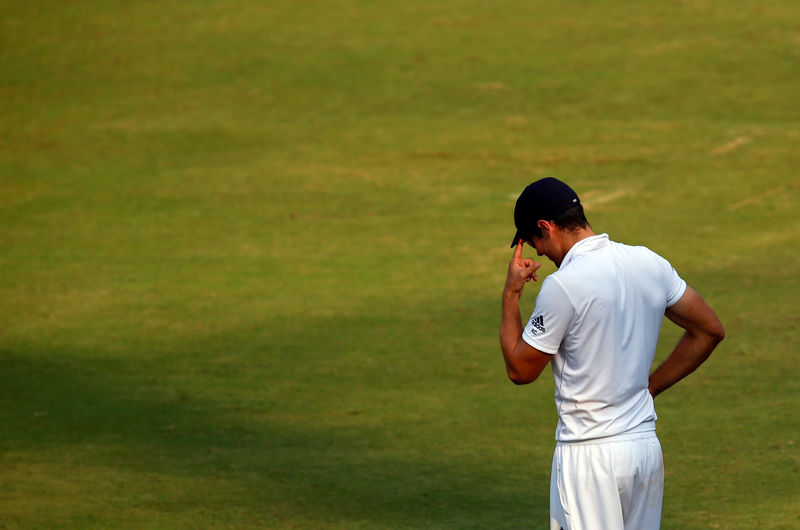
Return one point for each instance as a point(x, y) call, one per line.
point(544, 226)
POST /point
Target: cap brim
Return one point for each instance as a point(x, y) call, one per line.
point(517, 237)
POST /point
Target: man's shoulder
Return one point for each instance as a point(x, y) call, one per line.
point(606, 257)
point(644, 262)
point(641, 251)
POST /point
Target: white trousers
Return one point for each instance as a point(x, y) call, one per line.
point(611, 484)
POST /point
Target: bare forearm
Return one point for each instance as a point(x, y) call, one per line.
point(510, 324)
point(690, 352)
point(524, 363)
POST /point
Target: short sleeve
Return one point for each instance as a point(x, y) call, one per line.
point(675, 285)
point(550, 319)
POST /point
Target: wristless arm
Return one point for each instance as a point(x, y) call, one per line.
point(703, 332)
point(524, 363)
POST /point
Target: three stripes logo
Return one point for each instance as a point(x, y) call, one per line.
point(538, 324)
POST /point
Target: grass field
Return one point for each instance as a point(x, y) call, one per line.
point(252, 253)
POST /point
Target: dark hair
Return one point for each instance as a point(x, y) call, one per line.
point(570, 219)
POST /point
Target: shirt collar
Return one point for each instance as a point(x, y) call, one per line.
point(585, 245)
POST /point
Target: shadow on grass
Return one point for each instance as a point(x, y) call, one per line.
point(120, 415)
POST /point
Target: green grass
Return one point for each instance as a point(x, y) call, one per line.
point(252, 253)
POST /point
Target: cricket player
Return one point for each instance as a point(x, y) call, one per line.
point(597, 321)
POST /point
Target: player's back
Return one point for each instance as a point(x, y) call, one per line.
point(618, 295)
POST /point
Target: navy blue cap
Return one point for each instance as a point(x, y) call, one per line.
point(544, 199)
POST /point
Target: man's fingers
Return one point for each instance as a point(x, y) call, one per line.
point(530, 269)
point(530, 265)
point(521, 270)
point(518, 250)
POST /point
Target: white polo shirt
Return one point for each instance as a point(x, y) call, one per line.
point(599, 315)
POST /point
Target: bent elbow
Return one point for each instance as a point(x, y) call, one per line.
point(718, 334)
point(520, 379)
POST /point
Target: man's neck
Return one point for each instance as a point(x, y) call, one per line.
point(568, 238)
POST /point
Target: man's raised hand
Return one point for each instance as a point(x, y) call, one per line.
point(520, 271)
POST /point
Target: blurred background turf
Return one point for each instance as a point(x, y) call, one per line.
point(252, 253)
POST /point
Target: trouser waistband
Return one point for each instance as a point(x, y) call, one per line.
point(644, 431)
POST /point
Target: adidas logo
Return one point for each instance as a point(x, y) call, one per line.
point(538, 324)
